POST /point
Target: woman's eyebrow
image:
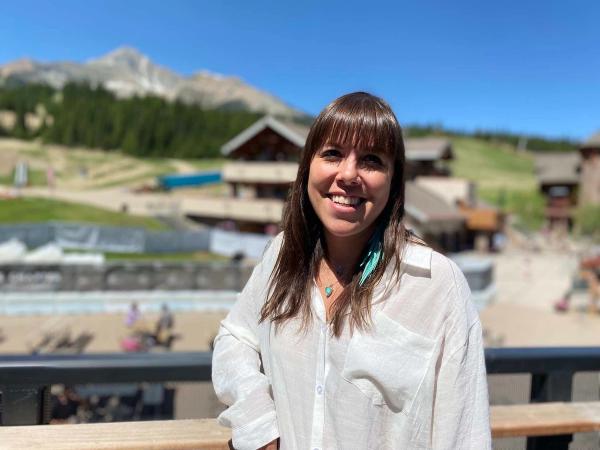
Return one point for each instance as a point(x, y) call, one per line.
point(370, 149)
point(374, 150)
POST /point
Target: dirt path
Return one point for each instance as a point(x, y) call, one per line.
point(529, 283)
point(114, 199)
point(195, 330)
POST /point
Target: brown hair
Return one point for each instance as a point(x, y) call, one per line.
point(357, 120)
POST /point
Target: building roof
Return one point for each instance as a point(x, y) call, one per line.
point(592, 141)
point(451, 189)
point(424, 206)
point(428, 149)
point(293, 132)
point(417, 149)
point(298, 129)
point(557, 168)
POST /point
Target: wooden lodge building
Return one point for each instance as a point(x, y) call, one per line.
point(558, 180)
point(263, 162)
point(428, 156)
point(567, 180)
point(589, 190)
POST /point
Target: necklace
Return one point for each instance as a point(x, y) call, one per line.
point(329, 288)
point(339, 270)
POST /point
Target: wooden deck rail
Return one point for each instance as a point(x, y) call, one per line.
point(544, 419)
point(201, 434)
point(533, 419)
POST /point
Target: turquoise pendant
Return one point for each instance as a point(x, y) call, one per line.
point(328, 291)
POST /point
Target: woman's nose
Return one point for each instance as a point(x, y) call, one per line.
point(348, 171)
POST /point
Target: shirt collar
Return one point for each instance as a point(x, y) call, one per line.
point(418, 256)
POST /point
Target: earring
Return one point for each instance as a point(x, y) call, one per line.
point(371, 259)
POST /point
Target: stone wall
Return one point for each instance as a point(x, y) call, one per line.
point(124, 276)
point(107, 238)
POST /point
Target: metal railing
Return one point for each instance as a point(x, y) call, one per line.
point(25, 380)
point(552, 370)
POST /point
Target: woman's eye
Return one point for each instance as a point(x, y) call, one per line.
point(331, 154)
point(372, 160)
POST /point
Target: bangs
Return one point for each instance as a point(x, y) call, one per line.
point(362, 123)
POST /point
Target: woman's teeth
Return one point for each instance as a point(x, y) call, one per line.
point(340, 199)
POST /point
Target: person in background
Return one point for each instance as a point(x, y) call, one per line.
point(351, 333)
point(50, 177)
point(21, 175)
point(64, 405)
point(134, 315)
point(164, 325)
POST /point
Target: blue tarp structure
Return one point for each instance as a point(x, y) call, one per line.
point(189, 179)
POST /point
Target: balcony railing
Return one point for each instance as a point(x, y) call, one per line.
point(244, 209)
point(25, 380)
point(276, 172)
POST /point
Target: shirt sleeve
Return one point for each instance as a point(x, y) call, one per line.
point(461, 408)
point(237, 377)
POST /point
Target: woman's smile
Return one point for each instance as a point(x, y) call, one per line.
point(345, 204)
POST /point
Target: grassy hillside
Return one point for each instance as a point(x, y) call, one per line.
point(27, 210)
point(87, 169)
point(493, 166)
point(167, 257)
point(504, 176)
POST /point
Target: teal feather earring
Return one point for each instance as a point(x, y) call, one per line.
point(372, 257)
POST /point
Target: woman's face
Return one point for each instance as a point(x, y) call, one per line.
point(348, 189)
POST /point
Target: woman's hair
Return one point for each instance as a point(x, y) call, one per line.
point(362, 121)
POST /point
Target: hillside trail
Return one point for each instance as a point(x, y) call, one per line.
point(181, 166)
point(532, 273)
point(83, 169)
point(117, 173)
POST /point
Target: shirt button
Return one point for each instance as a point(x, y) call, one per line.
point(319, 389)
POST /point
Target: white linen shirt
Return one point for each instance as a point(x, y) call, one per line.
point(415, 380)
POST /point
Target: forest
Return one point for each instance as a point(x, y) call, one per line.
point(141, 126)
point(82, 115)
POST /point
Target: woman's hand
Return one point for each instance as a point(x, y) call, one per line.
point(273, 445)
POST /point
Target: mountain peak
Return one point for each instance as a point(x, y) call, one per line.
point(209, 74)
point(126, 72)
point(122, 56)
point(20, 65)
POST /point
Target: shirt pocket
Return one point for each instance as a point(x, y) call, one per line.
point(388, 363)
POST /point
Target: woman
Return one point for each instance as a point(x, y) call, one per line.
point(351, 334)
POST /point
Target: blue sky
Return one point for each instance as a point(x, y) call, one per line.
point(523, 66)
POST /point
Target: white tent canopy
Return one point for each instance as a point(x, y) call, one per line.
point(12, 251)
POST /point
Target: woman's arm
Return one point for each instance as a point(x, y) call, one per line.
point(461, 408)
point(236, 369)
point(240, 384)
point(273, 445)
